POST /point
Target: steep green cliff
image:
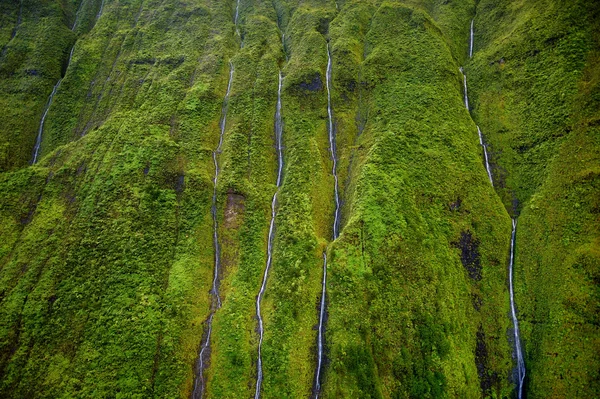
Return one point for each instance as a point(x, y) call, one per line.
point(106, 250)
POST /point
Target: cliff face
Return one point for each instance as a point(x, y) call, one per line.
point(106, 250)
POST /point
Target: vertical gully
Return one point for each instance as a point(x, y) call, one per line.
point(518, 351)
point(513, 314)
point(261, 293)
point(38, 140)
point(204, 355)
point(471, 42)
point(336, 227)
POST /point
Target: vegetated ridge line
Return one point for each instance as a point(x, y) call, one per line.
point(203, 356)
point(261, 293)
point(336, 227)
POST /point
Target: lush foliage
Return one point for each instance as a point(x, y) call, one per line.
point(106, 254)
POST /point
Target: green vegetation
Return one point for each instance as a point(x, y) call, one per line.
point(106, 256)
point(534, 89)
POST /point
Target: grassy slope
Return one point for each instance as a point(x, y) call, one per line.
point(535, 91)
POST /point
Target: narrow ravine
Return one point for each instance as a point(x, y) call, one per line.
point(513, 314)
point(336, 227)
point(485, 155)
point(465, 95)
point(204, 355)
point(261, 293)
point(520, 371)
point(38, 140)
point(481, 139)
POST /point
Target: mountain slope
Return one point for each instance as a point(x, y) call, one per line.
point(107, 256)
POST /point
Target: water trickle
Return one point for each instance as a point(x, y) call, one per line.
point(237, 12)
point(261, 293)
point(466, 97)
point(199, 383)
point(485, 155)
point(336, 227)
point(332, 148)
point(321, 332)
point(38, 141)
point(77, 16)
point(100, 10)
point(471, 41)
point(513, 313)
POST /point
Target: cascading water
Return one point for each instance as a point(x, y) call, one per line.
point(518, 351)
point(200, 384)
point(513, 313)
point(471, 41)
point(38, 140)
point(237, 12)
point(100, 10)
point(261, 293)
point(483, 145)
point(336, 226)
point(466, 97)
point(332, 148)
point(485, 155)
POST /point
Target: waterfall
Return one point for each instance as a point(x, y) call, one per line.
point(38, 141)
point(332, 148)
point(485, 155)
point(76, 16)
point(513, 313)
point(471, 41)
point(200, 384)
point(466, 97)
point(100, 10)
point(261, 293)
point(237, 13)
point(336, 227)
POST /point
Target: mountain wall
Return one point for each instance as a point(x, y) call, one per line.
point(106, 250)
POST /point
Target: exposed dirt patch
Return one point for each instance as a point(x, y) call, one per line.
point(234, 209)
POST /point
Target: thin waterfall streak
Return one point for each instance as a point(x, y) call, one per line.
point(471, 41)
point(279, 132)
point(336, 223)
point(70, 56)
point(199, 383)
point(263, 287)
point(100, 10)
point(466, 97)
point(38, 140)
point(237, 13)
point(321, 328)
point(485, 155)
point(77, 16)
point(518, 351)
point(332, 146)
